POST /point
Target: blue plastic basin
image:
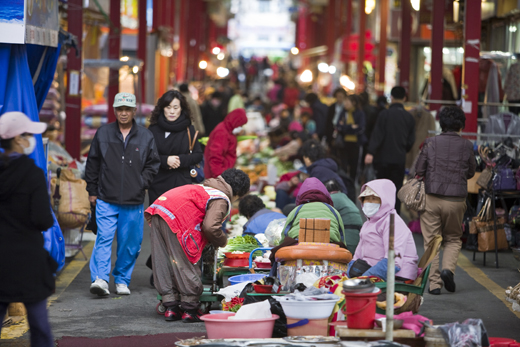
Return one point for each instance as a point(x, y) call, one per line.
point(245, 278)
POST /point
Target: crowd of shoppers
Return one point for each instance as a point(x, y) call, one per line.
point(333, 142)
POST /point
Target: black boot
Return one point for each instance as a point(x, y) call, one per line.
point(449, 282)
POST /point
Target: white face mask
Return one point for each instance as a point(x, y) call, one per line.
point(370, 209)
point(32, 145)
point(237, 131)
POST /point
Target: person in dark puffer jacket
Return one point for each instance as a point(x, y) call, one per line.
point(324, 169)
point(26, 268)
point(121, 165)
point(446, 162)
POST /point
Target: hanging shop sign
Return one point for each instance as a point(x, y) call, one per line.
point(29, 21)
point(41, 22)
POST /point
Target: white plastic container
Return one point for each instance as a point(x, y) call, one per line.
point(318, 309)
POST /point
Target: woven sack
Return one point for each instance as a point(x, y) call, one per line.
point(74, 206)
point(412, 195)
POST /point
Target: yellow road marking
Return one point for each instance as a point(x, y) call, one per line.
point(64, 279)
point(479, 276)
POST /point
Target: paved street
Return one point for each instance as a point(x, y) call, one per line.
point(75, 312)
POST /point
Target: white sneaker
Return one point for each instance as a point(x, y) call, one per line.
point(99, 287)
point(122, 289)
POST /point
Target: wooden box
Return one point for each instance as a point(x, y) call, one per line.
point(314, 230)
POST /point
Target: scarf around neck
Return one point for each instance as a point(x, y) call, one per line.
point(178, 125)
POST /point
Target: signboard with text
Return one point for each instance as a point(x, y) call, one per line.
point(29, 21)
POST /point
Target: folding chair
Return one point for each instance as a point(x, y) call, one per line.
point(415, 291)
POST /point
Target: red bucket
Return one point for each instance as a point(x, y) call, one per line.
point(360, 309)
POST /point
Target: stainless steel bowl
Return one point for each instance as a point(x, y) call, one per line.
point(358, 286)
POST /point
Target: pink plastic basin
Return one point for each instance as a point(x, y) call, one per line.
point(218, 326)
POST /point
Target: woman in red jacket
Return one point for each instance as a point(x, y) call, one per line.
point(221, 151)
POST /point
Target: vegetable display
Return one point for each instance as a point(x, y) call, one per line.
point(245, 243)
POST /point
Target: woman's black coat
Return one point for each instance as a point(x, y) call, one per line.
point(175, 144)
point(26, 268)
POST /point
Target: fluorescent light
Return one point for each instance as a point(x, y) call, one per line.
point(203, 64)
point(332, 69)
point(323, 67)
point(222, 72)
point(306, 76)
point(295, 50)
point(216, 50)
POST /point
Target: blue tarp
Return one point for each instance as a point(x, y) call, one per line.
point(17, 93)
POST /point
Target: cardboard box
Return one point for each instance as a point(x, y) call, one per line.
point(314, 230)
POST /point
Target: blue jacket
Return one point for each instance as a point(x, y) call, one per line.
point(260, 220)
point(326, 170)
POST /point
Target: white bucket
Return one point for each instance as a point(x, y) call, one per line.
point(317, 309)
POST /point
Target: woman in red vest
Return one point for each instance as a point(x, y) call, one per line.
point(183, 221)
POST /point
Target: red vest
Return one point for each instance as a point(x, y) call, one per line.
point(184, 209)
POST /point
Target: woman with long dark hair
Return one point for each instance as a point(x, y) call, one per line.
point(169, 123)
point(351, 127)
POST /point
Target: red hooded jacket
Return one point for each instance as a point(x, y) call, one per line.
point(221, 151)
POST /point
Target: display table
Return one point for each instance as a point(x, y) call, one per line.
point(404, 336)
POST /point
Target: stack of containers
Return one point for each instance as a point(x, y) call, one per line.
point(308, 318)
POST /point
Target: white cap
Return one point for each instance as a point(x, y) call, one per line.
point(124, 99)
point(17, 123)
point(368, 192)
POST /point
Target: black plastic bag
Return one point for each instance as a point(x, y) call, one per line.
point(92, 224)
point(280, 325)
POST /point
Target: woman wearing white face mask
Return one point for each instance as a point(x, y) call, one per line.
point(27, 268)
point(371, 256)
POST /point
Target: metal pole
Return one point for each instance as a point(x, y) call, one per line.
point(406, 41)
point(73, 94)
point(114, 51)
point(390, 284)
point(361, 47)
point(470, 68)
point(381, 62)
point(437, 44)
point(141, 51)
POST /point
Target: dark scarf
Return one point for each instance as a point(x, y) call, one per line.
point(313, 195)
point(178, 125)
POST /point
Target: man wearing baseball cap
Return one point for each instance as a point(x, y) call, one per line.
point(27, 269)
point(121, 165)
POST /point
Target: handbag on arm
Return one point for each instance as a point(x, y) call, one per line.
point(412, 194)
point(197, 170)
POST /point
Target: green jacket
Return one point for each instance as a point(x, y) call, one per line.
point(351, 219)
point(315, 210)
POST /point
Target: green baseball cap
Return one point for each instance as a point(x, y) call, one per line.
point(124, 99)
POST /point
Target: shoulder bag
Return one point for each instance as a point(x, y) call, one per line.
point(197, 170)
point(412, 194)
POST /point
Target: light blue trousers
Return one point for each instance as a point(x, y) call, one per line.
point(127, 221)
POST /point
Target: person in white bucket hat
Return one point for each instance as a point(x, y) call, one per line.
point(27, 269)
point(121, 165)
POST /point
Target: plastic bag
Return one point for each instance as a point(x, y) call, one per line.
point(307, 278)
point(274, 230)
point(469, 333)
point(280, 325)
point(257, 310)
